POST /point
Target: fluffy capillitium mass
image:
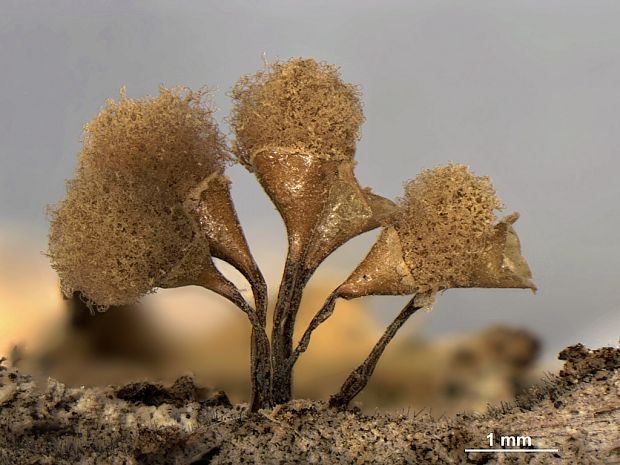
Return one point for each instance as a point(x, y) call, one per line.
point(170, 140)
point(115, 245)
point(300, 105)
point(124, 227)
point(445, 221)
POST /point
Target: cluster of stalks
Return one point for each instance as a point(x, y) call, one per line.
point(150, 207)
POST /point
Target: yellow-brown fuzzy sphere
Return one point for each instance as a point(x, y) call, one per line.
point(444, 222)
point(122, 229)
point(114, 244)
point(170, 140)
point(299, 104)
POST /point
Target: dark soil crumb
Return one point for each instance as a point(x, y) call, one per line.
point(184, 390)
point(577, 412)
point(582, 362)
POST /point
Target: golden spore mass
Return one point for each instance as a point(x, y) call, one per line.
point(445, 222)
point(123, 228)
point(170, 140)
point(299, 104)
point(114, 245)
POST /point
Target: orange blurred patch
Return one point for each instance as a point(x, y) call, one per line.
point(30, 305)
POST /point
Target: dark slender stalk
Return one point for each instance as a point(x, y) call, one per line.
point(289, 297)
point(358, 379)
point(260, 353)
point(260, 357)
point(323, 314)
point(285, 378)
point(259, 290)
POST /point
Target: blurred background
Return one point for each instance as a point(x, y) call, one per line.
point(526, 92)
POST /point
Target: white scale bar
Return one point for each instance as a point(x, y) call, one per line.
point(512, 450)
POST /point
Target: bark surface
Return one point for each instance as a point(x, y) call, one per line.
point(577, 412)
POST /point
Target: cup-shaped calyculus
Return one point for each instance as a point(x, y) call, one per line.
point(124, 227)
point(444, 235)
point(348, 211)
point(218, 220)
point(296, 126)
point(501, 264)
point(382, 272)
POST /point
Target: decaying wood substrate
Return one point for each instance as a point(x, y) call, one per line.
point(577, 412)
